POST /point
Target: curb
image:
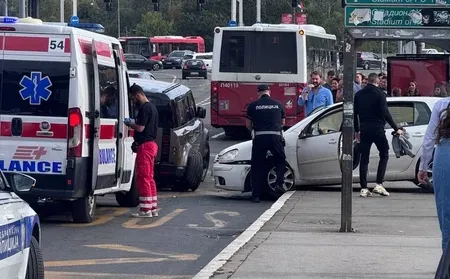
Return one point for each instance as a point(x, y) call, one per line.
point(223, 257)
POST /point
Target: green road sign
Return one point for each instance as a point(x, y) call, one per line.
point(399, 2)
point(370, 16)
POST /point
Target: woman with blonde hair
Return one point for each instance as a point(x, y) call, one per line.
point(412, 89)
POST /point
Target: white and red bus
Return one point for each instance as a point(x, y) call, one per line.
point(137, 45)
point(163, 45)
point(279, 55)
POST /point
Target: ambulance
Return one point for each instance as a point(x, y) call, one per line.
point(64, 94)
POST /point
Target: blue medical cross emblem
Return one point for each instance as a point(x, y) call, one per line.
point(35, 88)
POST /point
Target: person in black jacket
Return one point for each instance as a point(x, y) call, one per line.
point(370, 116)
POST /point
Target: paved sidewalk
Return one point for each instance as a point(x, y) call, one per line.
point(397, 237)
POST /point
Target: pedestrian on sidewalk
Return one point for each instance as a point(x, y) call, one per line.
point(438, 133)
point(370, 115)
point(330, 76)
point(265, 119)
point(145, 127)
point(315, 95)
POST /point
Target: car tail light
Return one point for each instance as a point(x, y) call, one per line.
point(185, 66)
point(75, 133)
point(300, 109)
point(203, 67)
point(214, 96)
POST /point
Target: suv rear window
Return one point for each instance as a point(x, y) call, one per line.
point(36, 88)
point(177, 54)
point(195, 63)
point(259, 52)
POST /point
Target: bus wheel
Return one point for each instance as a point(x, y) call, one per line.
point(83, 209)
point(130, 198)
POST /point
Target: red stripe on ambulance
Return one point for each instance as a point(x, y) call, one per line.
point(67, 45)
point(106, 131)
point(103, 49)
point(2, 39)
point(20, 43)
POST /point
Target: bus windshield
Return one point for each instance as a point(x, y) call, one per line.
point(258, 52)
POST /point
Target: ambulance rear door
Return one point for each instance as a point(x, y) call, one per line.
point(34, 107)
point(109, 141)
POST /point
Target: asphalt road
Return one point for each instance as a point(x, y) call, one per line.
point(192, 229)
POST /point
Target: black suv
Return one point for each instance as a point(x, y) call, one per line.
point(175, 59)
point(368, 60)
point(183, 141)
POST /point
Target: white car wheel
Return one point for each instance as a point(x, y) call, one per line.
point(288, 179)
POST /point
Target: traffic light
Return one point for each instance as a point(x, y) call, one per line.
point(155, 1)
point(294, 3)
point(155, 7)
point(108, 5)
point(201, 2)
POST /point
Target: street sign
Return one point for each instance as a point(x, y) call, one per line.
point(232, 23)
point(74, 20)
point(399, 2)
point(389, 17)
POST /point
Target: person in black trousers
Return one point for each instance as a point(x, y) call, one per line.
point(371, 114)
point(265, 118)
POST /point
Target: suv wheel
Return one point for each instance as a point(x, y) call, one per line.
point(193, 175)
point(83, 209)
point(206, 158)
point(130, 198)
point(35, 268)
point(366, 66)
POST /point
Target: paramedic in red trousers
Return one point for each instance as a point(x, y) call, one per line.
point(145, 126)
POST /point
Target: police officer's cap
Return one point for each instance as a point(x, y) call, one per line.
point(262, 87)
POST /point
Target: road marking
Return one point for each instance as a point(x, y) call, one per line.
point(218, 135)
point(103, 219)
point(83, 275)
point(90, 262)
point(133, 223)
point(205, 104)
point(125, 248)
point(218, 224)
point(203, 101)
point(242, 239)
point(174, 77)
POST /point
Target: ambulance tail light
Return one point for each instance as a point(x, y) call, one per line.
point(75, 133)
point(300, 87)
point(214, 96)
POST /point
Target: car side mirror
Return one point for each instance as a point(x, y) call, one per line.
point(303, 134)
point(20, 182)
point(201, 112)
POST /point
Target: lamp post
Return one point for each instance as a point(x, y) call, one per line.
point(118, 18)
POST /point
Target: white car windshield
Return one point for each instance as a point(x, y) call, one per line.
point(313, 114)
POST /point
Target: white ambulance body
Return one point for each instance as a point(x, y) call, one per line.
point(53, 124)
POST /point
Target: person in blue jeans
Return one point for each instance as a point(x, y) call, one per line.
point(437, 139)
point(315, 95)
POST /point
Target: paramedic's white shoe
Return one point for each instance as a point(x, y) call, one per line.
point(142, 214)
point(379, 189)
point(155, 212)
point(365, 193)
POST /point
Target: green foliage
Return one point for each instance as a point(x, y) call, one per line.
point(153, 23)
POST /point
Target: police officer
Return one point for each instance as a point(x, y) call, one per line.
point(265, 119)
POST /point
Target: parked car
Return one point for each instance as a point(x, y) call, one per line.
point(20, 231)
point(175, 59)
point(313, 147)
point(368, 60)
point(183, 139)
point(194, 68)
point(205, 57)
point(141, 74)
point(139, 62)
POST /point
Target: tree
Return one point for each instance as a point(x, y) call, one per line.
point(153, 24)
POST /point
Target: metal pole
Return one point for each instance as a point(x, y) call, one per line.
point(118, 18)
point(61, 10)
point(22, 12)
point(347, 134)
point(3, 8)
point(241, 12)
point(233, 10)
point(294, 16)
point(400, 47)
point(382, 55)
point(258, 11)
point(74, 7)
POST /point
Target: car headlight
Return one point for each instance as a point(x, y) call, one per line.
point(228, 156)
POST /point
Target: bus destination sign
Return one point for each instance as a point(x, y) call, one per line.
point(391, 17)
point(399, 2)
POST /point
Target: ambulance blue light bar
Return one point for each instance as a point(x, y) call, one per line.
point(8, 19)
point(94, 27)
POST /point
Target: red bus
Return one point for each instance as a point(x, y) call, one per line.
point(279, 55)
point(136, 45)
point(163, 45)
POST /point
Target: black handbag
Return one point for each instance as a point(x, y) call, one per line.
point(134, 147)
